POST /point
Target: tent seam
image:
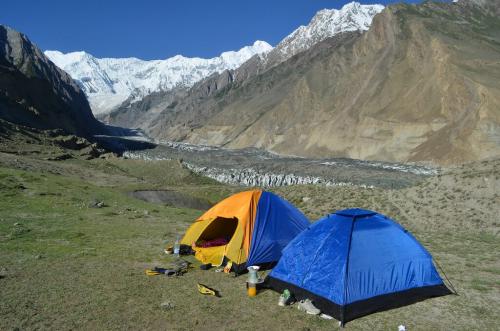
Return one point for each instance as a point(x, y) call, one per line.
point(346, 275)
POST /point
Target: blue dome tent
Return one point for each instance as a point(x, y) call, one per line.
point(356, 262)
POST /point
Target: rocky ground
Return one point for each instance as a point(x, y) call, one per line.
point(255, 167)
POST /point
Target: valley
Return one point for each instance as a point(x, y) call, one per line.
point(416, 87)
point(107, 161)
point(57, 246)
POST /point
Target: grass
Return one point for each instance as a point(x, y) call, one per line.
point(66, 265)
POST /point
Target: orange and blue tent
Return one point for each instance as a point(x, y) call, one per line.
point(257, 225)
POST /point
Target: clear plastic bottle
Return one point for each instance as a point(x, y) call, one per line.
point(252, 281)
point(177, 247)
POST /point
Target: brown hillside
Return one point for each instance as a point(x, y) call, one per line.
point(420, 85)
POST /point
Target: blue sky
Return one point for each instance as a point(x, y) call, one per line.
point(157, 29)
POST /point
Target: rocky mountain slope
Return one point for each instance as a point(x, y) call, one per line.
point(108, 82)
point(36, 93)
point(420, 85)
point(493, 6)
point(325, 24)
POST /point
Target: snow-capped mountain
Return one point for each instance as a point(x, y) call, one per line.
point(108, 82)
point(325, 24)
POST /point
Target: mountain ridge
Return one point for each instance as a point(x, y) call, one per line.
point(108, 82)
point(34, 92)
point(325, 24)
point(416, 87)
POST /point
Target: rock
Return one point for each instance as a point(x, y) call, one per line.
point(107, 156)
point(72, 142)
point(305, 199)
point(97, 204)
point(18, 230)
point(92, 151)
point(60, 157)
point(85, 148)
point(167, 305)
point(54, 133)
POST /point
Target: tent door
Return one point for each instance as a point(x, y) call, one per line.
point(220, 228)
point(213, 255)
point(215, 238)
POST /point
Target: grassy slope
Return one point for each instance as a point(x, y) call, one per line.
point(69, 266)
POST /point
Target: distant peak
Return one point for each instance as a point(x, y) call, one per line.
point(262, 44)
point(350, 7)
point(327, 23)
point(75, 54)
point(60, 57)
point(258, 46)
point(177, 57)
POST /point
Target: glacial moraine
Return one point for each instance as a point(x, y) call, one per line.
point(255, 167)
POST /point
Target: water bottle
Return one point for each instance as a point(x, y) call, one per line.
point(177, 247)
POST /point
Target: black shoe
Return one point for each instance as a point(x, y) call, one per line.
point(206, 266)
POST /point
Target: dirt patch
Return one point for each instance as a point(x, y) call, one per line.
point(171, 198)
